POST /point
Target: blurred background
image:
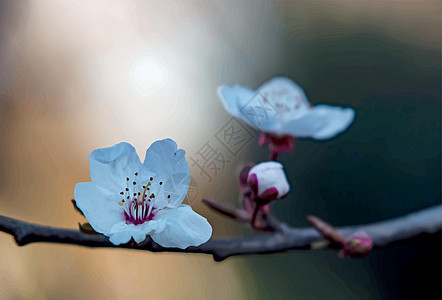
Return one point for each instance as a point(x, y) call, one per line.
point(81, 75)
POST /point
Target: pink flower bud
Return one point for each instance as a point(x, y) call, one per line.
point(358, 244)
point(267, 181)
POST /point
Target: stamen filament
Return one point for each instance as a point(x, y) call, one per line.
point(139, 206)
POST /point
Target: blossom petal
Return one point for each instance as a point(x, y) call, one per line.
point(305, 126)
point(285, 89)
point(338, 119)
point(321, 122)
point(171, 168)
point(121, 232)
point(249, 106)
point(99, 206)
point(234, 98)
point(184, 228)
point(269, 175)
point(110, 166)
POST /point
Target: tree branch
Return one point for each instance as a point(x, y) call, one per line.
point(425, 221)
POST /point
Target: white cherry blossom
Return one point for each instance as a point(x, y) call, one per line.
point(127, 199)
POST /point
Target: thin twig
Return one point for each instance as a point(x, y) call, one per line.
point(384, 232)
point(330, 233)
point(271, 224)
point(254, 214)
point(227, 210)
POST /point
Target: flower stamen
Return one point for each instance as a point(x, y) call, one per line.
point(136, 209)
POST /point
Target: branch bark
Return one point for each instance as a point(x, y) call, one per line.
point(425, 221)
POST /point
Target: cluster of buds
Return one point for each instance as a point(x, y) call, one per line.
point(263, 183)
point(266, 182)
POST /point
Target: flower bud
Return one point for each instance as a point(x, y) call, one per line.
point(268, 182)
point(358, 244)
